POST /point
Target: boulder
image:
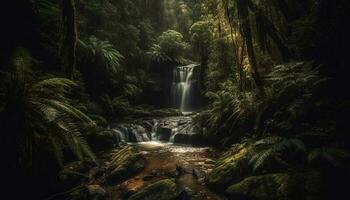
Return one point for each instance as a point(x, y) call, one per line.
point(182, 138)
point(231, 167)
point(164, 133)
point(125, 162)
point(162, 190)
point(148, 125)
point(74, 173)
point(102, 140)
point(278, 186)
point(188, 138)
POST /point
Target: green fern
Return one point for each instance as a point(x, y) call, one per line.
point(46, 8)
point(333, 156)
point(51, 122)
point(105, 51)
point(273, 147)
point(157, 55)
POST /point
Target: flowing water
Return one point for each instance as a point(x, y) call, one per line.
point(167, 159)
point(182, 87)
point(163, 160)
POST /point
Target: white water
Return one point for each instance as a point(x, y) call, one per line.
point(182, 87)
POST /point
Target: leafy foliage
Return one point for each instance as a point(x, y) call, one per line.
point(46, 8)
point(331, 156)
point(275, 147)
point(291, 94)
point(50, 121)
point(105, 52)
point(170, 46)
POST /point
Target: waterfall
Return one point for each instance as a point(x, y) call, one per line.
point(182, 96)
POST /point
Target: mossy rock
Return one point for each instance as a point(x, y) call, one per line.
point(125, 163)
point(231, 167)
point(75, 172)
point(278, 186)
point(162, 190)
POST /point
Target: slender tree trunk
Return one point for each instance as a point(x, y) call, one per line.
point(69, 37)
point(283, 6)
point(243, 13)
point(235, 47)
point(251, 57)
point(203, 67)
point(271, 31)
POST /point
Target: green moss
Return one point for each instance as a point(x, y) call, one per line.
point(125, 158)
point(161, 190)
point(126, 162)
point(292, 185)
point(231, 167)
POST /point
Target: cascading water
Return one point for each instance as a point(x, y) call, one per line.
point(182, 87)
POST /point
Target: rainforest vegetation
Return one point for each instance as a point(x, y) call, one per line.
point(174, 99)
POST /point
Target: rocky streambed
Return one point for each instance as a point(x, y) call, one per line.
point(178, 129)
point(173, 171)
point(158, 160)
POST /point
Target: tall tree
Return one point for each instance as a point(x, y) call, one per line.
point(69, 37)
point(243, 15)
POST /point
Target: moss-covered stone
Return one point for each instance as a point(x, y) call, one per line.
point(125, 162)
point(231, 167)
point(161, 190)
point(292, 185)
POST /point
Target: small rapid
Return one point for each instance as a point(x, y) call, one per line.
point(189, 164)
point(171, 148)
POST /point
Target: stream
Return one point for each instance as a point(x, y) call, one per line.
point(187, 163)
point(165, 160)
point(171, 146)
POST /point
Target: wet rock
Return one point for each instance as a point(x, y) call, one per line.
point(185, 194)
point(231, 167)
point(162, 190)
point(171, 174)
point(118, 175)
point(188, 138)
point(96, 192)
point(148, 125)
point(182, 138)
point(164, 133)
point(180, 170)
point(95, 172)
point(75, 172)
point(102, 140)
point(195, 173)
point(182, 122)
point(291, 186)
point(125, 162)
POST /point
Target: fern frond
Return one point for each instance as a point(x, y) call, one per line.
point(333, 156)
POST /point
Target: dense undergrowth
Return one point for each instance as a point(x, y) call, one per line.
point(271, 74)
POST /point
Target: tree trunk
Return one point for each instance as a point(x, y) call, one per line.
point(235, 46)
point(69, 37)
point(271, 31)
point(243, 13)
